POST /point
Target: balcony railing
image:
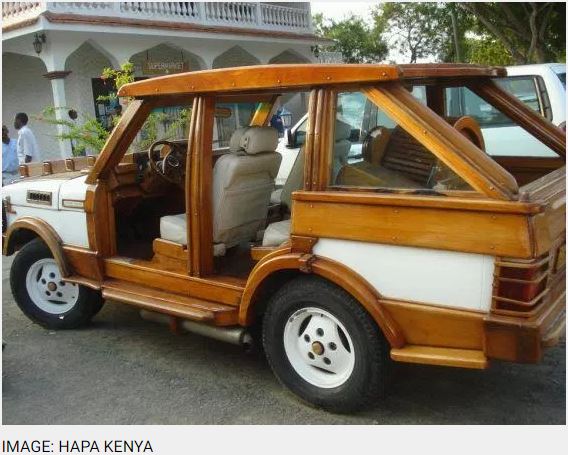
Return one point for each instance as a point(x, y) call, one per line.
point(256, 15)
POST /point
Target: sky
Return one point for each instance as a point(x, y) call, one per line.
point(339, 9)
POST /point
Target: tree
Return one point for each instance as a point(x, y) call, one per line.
point(531, 32)
point(418, 30)
point(357, 41)
point(487, 51)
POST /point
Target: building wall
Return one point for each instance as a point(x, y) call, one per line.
point(24, 89)
point(85, 64)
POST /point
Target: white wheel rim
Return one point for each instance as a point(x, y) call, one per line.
point(319, 347)
point(47, 289)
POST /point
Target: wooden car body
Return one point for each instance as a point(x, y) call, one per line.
point(451, 277)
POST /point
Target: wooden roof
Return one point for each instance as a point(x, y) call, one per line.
point(266, 77)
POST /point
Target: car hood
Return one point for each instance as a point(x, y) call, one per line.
point(48, 193)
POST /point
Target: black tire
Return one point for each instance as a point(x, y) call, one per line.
point(88, 304)
point(365, 385)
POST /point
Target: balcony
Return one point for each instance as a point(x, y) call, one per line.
point(295, 18)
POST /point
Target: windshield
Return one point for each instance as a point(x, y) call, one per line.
point(562, 77)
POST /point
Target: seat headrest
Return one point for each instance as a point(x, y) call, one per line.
point(342, 130)
point(259, 139)
point(235, 141)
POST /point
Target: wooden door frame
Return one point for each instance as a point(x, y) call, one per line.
point(199, 187)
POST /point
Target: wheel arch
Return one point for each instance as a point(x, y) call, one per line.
point(26, 229)
point(274, 272)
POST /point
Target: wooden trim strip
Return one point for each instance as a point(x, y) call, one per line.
point(260, 77)
point(428, 355)
point(43, 231)
point(444, 141)
point(200, 193)
point(312, 131)
point(453, 203)
point(189, 182)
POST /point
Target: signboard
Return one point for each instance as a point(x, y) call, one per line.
point(150, 67)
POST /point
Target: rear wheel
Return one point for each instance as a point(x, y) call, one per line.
point(323, 346)
point(42, 294)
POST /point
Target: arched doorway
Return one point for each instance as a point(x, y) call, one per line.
point(235, 56)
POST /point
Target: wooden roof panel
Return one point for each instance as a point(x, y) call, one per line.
point(265, 77)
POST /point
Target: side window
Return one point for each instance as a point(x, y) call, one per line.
point(372, 151)
point(525, 89)
point(462, 101)
point(501, 135)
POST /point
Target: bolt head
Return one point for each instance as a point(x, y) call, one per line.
point(317, 348)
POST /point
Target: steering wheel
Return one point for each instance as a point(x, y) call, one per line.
point(168, 161)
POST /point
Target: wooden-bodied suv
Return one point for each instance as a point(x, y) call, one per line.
point(394, 233)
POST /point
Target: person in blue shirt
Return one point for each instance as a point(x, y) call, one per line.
point(10, 162)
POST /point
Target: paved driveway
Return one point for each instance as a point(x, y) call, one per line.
point(123, 370)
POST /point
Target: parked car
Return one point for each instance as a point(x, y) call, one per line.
point(395, 233)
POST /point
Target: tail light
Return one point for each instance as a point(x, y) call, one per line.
point(520, 285)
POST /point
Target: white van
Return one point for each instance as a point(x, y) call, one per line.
point(541, 87)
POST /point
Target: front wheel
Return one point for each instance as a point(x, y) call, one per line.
point(43, 295)
point(323, 346)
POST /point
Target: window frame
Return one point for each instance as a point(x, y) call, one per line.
point(486, 177)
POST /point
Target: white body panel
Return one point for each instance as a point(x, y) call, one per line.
point(446, 278)
point(69, 223)
point(74, 189)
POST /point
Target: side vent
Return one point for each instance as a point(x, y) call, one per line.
point(39, 197)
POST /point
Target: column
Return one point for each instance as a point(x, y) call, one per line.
point(57, 79)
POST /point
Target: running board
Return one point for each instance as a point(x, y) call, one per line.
point(172, 304)
point(449, 357)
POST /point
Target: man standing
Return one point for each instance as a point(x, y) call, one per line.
point(9, 158)
point(28, 150)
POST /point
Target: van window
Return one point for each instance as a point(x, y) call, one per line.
point(502, 136)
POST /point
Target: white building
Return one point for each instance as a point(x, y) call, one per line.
point(79, 39)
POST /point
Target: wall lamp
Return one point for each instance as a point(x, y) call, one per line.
point(39, 40)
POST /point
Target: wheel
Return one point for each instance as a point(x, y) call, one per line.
point(43, 296)
point(323, 346)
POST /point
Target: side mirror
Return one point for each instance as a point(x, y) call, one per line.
point(291, 138)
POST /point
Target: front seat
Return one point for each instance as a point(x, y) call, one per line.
point(242, 182)
point(278, 232)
